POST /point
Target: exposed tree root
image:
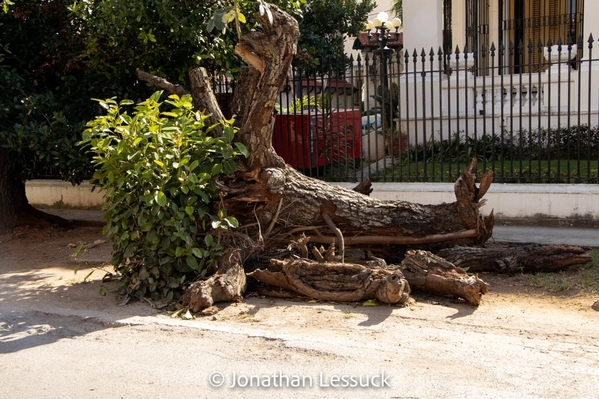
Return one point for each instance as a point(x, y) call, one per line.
point(343, 282)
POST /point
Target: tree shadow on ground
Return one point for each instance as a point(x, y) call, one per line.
point(40, 307)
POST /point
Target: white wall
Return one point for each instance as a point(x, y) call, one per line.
point(541, 201)
point(61, 194)
point(423, 25)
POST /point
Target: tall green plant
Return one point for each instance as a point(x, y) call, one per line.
point(158, 171)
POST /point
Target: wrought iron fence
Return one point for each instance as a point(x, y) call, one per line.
point(422, 115)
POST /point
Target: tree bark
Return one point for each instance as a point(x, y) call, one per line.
point(516, 259)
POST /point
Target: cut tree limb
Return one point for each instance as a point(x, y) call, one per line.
point(429, 272)
point(228, 284)
point(516, 259)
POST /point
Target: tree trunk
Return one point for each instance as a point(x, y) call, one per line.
point(516, 259)
point(12, 193)
point(295, 204)
point(15, 209)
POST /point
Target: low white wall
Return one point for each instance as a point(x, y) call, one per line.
point(61, 194)
point(509, 201)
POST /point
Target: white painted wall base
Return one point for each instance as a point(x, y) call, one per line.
point(568, 202)
point(61, 194)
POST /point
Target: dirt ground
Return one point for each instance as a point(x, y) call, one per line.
point(60, 338)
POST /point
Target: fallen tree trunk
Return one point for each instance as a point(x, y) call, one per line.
point(432, 273)
point(277, 205)
point(387, 228)
point(516, 259)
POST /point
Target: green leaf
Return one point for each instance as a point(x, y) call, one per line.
point(88, 276)
point(217, 169)
point(189, 210)
point(242, 149)
point(232, 222)
point(160, 198)
point(197, 252)
point(179, 251)
point(192, 262)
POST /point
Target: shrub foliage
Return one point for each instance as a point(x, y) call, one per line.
point(158, 171)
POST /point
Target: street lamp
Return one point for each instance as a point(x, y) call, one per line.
point(383, 28)
point(381, 31)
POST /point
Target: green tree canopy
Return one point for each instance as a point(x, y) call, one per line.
point(325, 25)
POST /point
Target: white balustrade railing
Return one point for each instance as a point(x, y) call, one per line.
point(522, 98)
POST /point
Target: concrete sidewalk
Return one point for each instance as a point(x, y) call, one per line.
point(584, 237)
point(547, 235)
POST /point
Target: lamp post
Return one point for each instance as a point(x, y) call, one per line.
point(382, 28)
point(381, 31)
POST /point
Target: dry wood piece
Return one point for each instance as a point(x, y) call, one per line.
point(228, 284)
point(429, 272)
point(344, 282)
point(525, 258)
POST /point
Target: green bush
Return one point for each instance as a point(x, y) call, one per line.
point(157, 170)
point(538, 144)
